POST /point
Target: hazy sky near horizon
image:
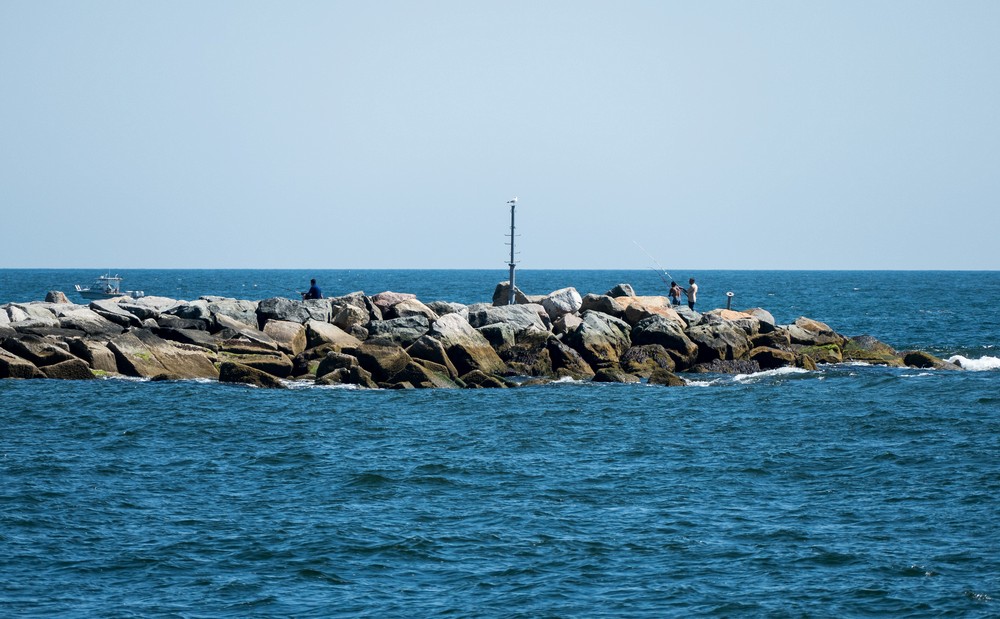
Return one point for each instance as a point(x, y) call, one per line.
point(717, 135)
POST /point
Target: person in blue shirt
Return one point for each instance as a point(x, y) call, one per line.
point(314, 292)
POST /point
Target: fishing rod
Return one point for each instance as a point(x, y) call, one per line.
point(662, 271)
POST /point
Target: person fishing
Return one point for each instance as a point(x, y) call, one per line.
point(692, 293)
point(675, 293)
point(313, 293)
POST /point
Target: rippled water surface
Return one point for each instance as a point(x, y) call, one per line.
point(850, 491)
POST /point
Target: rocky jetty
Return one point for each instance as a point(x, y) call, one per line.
point(395, 341)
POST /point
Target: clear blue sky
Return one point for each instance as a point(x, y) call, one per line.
point(745, 135)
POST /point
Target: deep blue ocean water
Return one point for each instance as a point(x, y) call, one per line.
point(850, 491)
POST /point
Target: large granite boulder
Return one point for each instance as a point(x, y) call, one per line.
point(385, 301)
point(335, 361)
point(194, 337)
point(562, 301)
point(422, 377)
point(603, 304)
point(381, 359)
point(867, 349)
point(402, 331)
point(665, 332)
point(480, 380)
point(520, 317)
point(621, 290)
point(355, 375)
point(32, 314)
point(447, 307)
point(412, 307)
point(809, 332)
point(275, 363)
point(719, 341)
point(229, 328)
point(233, 372)
point(358, 300)
point(237, 309)
point(142, 312)
point(56, 296)
point(772, 358)
point(290, 336)
point(500, 335)
point(291, 310)
point(639, 308)
point(644, 359)
point(666, 379)
point(430, 349)
point(40, 351)
point(73, 369)
point(600, 339)
point(764, 318)
point(748, 323)
point(614, 375)
point(141, 353)
point(501, 295)
point(920, 359)
point(467, 348)
point(195, 310)
point(12, 366)
point(96, 354)
point(347, 317)
point(90, 322)
point(323, 333)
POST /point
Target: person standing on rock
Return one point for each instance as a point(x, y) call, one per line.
point(314, 292)
point(692, 293)
point(675, 293)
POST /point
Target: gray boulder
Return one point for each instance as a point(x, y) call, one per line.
point(430, 349)
point(237, 309)
point(645, 359)
point(229, 328)
point(13, 366)
point(232, 372)
point(141, 353)
point(446, 307)
point(501, 295)
point(382, 360)
point(600, 339)
point(290, 336)
point(621, 290)
point(280, 308)
point(614, 375)
point(568, 362)
point(467, 348)
point(323, 333)
point(719, 341)
point(603, 304)
point(96, 354)
point(809, 332)
point(412, 307)
point(56, 296)
point(519, 317)
point(385, 301)
point(563, 301)
point(90, 322)
point(764, 318)
point(195, 310)
point(667, 333)
point(402, 331)
point(73, 369)
point(347, 317)
point(39, 351)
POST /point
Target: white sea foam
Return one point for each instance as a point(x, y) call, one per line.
point(981, 364)
point(787, 370)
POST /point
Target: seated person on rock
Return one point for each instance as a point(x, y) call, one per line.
point(313, 293)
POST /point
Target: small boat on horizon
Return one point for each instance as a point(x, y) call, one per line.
point(107, 287)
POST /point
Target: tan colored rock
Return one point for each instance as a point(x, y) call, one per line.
point(290, 336)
